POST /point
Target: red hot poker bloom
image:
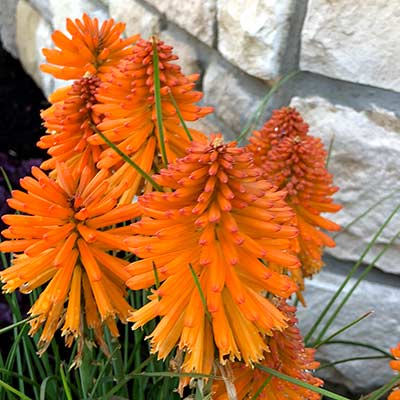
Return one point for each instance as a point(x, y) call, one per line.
point(287, 355)
point(226, 222)
point(128, 104)
point(68, 122)
point(395, 365)
point(295, 161)
point(64, 240)
point(91, 49)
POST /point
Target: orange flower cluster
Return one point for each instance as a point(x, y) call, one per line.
point(288, 356)
point(64, 240)
point(127, 101)
point(295, 161)
point(226, 223)
point(395, 365)
point(92, 49)
point(86, 57)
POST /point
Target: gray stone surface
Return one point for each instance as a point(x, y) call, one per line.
point(32, 34)
point(234, 95)
point(379, 294)
point(196, 16)
point(365, 161)
point(138, 18)
point(252, 34)
point(8, 11)
point(354, 41)
point(43, 8)
point(63, 9)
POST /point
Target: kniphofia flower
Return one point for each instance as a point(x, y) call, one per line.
point(65, 240)
point(91, 49)
point(287, 355)
point(395, 365)
point(127, 100)
point(295, 161)
point(68, 122)
point(224, 224)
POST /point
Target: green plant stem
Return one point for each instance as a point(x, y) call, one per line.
point(178, 112)
point(341, 330)
point(157, 97)
point(201, 293)
point(377, 394)
point(344, 360)
point(255, 117)
point(262, 387)
point(65, 383)
point(10, 389)
point(358, 344)
point(354, 287)
point(126, 158)
point(366, 212)
point(300, 383)
point(116, 360)
point(349, 276)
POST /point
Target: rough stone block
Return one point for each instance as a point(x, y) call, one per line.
point(365, 161)
point(138, 18)
point(7, 26)
point(252, 34)
point(380, 294)
point(234, 95)
point(353, 41)
point(196, 16)
point(32, 34)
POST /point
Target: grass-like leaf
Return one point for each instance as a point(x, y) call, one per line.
point(254, 119)
point(178, 112)
point(201, 293)
point(348, 277)
point(126, 158)
point(157, 97)
point(327, 393)
point(10, 389)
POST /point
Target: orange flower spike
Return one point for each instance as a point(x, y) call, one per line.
point(127, 102)
point(287, 355)
point(193, 225)
point(68, 122)
point(66, 248)
point(91, 49)
point(295, 161)
point(395, 365)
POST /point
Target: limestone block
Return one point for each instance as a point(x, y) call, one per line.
point(32, 34)
point(234, 95)
point(196, 16)
point(63, 9)
point(138, 18)
point(381, 329)
point(7, 26)
point(252, 34)
point(365, 161)
point(354, 41)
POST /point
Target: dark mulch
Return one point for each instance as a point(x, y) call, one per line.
point(20, 128)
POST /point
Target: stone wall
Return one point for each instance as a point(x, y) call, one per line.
point(348, 55)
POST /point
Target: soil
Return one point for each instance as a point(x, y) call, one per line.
point(20, 128)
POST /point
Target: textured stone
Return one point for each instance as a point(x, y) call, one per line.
point(43, 8)
point(365, 161)
point(381, 329)
point(7, 26)
point(32, 34)
point(63, 9)
point(353, 41)
point(138, 18)
point(252, 34)
point(234, 95)
point(196, 16)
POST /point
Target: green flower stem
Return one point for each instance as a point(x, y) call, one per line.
point(126, 158)
point(300, 383)
point(349, 276)
point(157, 96)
